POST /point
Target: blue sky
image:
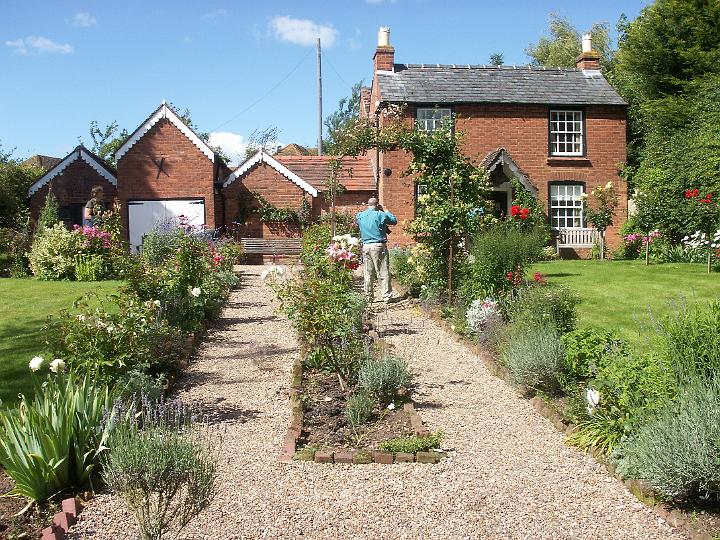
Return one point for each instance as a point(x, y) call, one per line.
point(238, 66)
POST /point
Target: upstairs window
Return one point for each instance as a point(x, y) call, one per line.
point(566, 206)
point(430, 119)
point(566, 133)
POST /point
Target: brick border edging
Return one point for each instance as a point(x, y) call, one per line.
point(290, 453)
point(641, 490)
point(70, 509)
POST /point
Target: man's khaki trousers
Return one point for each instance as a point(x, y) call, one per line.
point(377, 267)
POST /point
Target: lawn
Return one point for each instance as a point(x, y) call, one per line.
point(26, 304)
point(626, 295)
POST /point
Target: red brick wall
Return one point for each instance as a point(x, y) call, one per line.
point(72, 186)
point(190, 173)
point(523, 131)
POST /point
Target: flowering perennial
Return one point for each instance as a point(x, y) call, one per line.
point(345, 250)
point(94, 237)
point(699, 239)
point(638, 240)
point(481, 312)
point(519, 212)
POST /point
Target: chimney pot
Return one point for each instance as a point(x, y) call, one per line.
point(587, 42)
point(384, 36)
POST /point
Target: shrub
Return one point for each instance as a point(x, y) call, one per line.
point(383, 376)
point(115, 337)
point(413, 444)
point(161, 466)
point(52, 443)
point(677, 452)
point(501, 249)
point(630, 388)
point(584, 350)
point(534, 356)
point(52, 255)
point(540, 305)
point(690, 341)
point(90, 267)
point(403, 269)
point(359, 408)
point(191, 283)
point(328, 316)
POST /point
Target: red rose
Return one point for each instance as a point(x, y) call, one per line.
point(515, 210)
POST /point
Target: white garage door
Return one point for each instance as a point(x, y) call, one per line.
point(143, 215)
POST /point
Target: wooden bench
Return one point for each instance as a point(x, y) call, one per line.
point(271, 246)
point(576, 238)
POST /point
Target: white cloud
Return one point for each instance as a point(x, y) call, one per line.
point(84, 20)
point(39, 45)
point(302, 31)
point(233, 144)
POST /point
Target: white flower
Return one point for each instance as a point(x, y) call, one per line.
point(272, 272)
point(157, 303)
point(81, 318)
point(196, 291)
point(57, 365)
point(391, 407)
point(593, 398)
point(36, 362)
point(110, 329)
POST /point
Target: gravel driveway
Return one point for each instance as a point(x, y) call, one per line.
point(508, 474)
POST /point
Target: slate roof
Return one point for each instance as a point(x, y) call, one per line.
point(315, 170)
point(436, 83)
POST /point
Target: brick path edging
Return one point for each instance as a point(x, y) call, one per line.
point(62, 521)
point(290, 453)
point(641, 490)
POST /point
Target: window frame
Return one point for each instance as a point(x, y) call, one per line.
point(583, 132)
point(556, 183)
point(438, 106)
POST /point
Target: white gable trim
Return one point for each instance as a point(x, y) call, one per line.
point(262, 157)
point(80, 153)
point(165, 112)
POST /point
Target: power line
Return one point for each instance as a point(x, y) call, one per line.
point(332, 66)
point(266, 94)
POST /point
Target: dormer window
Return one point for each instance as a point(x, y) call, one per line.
point(566, 133)
point(431, 118)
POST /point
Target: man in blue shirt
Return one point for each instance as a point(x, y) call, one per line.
point(373, 224)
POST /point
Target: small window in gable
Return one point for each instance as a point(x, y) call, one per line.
point(431, 118)
point(566, 133)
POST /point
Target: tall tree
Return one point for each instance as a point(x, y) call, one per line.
point(347, 111)
point(564, 44)
point(107, 140)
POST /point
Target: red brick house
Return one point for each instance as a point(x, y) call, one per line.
point(561, 132)
point(71, 179)
point(285, 181)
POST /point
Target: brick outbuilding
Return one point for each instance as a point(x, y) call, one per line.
point(293, 182)
point(71, 180)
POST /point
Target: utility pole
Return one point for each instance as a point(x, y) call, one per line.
point(319, 118)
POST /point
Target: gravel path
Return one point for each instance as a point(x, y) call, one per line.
point(508, 474)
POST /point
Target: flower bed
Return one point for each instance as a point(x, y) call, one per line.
point(351, 396)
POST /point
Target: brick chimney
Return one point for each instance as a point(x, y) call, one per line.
point(384, 58)
point(588, 58)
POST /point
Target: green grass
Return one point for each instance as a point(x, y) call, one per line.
point(25, 306)
point(627, 295)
